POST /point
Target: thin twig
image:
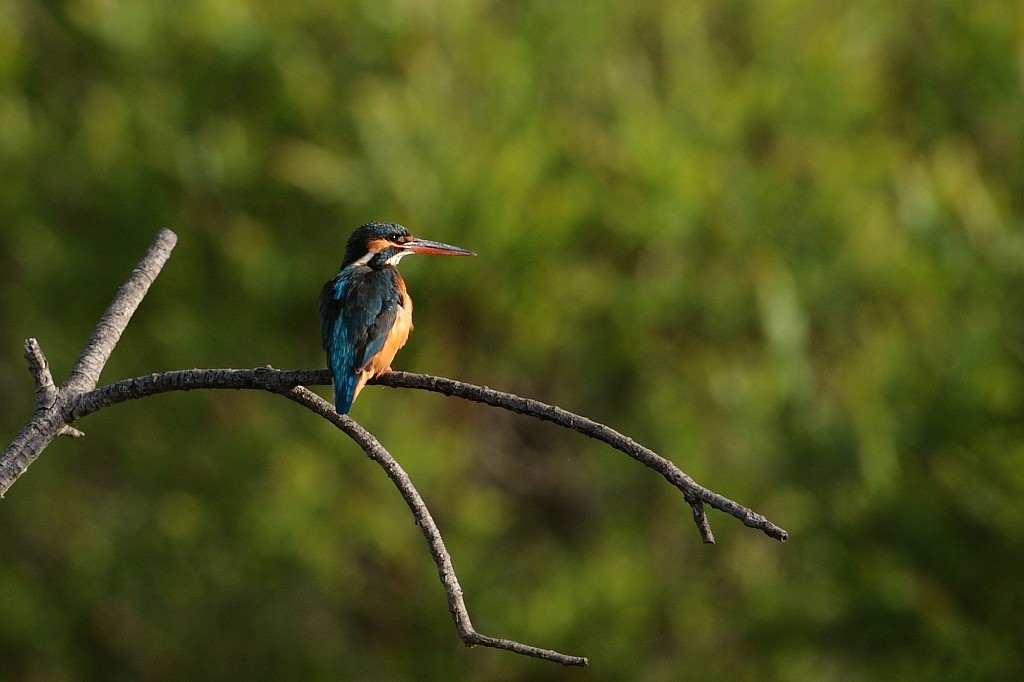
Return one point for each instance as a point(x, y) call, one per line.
point(46, 392)
point(700, 517)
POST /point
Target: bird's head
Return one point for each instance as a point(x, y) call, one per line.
point(381, 245)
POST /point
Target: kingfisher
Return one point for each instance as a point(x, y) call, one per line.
point(365, 310)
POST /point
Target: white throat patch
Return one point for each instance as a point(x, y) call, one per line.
point(393, 260)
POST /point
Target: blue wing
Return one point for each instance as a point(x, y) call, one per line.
point(358, 307)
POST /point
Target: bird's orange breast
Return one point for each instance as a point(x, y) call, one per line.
point(397, 337)
point(399, 334)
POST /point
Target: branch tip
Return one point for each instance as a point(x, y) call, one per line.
point(46, 391)
point(166, 236)
point(474, 638)
point(700, 517)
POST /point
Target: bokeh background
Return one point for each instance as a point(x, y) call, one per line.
point(781, 243)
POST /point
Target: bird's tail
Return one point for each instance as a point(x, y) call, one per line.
point(345, 392)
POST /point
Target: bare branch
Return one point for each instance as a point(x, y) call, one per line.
point(288, 384)
point(692, 491)
point(86, 372)
point(41, 429)
point(49, 421)
point(270, 379)
point(57, 408)
point(446, 572)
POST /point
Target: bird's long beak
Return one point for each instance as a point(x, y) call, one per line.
point(417, 245)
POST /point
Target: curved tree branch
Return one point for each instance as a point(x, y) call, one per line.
point(695, 494)
point(274, 380)
point(446, 572)
point(57, 408)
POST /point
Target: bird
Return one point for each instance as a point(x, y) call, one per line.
point(365, 309)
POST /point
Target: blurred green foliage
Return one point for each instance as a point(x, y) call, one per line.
point(780, 243)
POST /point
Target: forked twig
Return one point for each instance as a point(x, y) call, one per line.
point(49, 420)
